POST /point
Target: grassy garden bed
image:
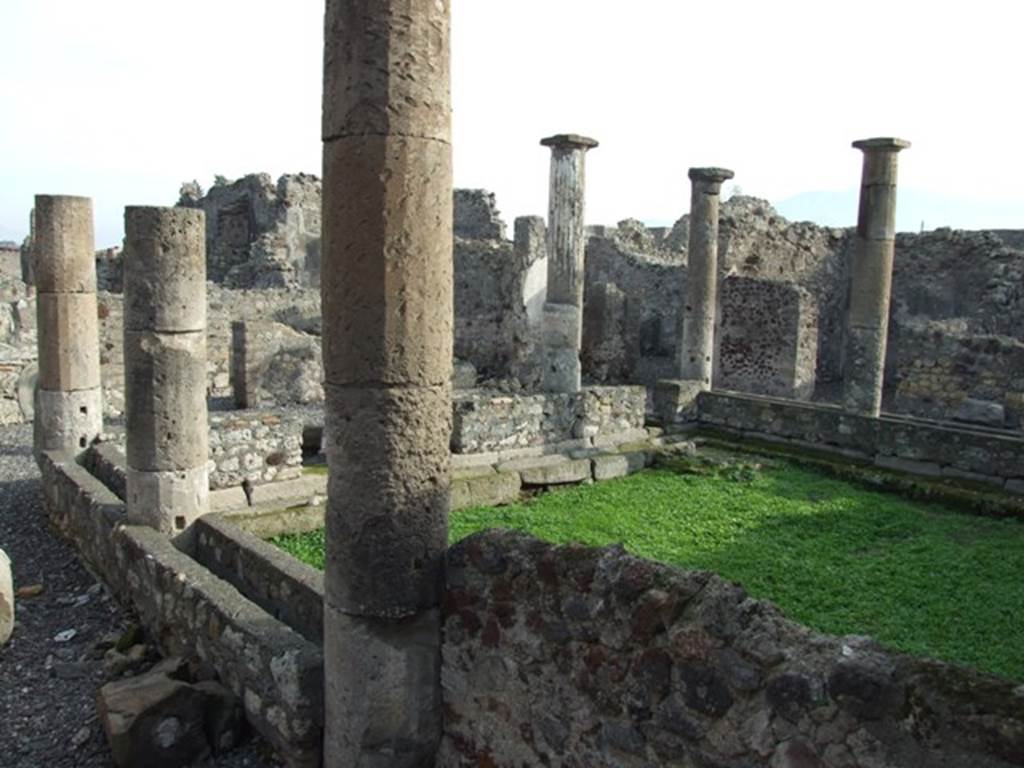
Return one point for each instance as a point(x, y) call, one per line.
point(834, 555)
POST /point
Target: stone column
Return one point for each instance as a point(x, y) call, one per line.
point(867, 319)
point(386, 283)
point(69, 406)
point(165, 368)
point(563, 307)
point(697, 343)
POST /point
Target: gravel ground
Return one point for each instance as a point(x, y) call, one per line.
point(48, 687)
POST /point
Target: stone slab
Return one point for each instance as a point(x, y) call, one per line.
point(287, 492)
point(614, 465)
point(910, 466)
point(490, 490)
point(569, 471)
point(227, 499)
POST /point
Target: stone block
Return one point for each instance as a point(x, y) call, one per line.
point(153, 720)
point(69, 341)
point(6, 599)
point(614, 465)
point(531, 462)
point(64, 253)
point(300, 490)
point(165, 400)
point(167, 501)
point(381, 689)
point(910, 466)
point(985, 412)
point(388, 306)
point(1015, 486)
point(388, 497)
point(410, 43)
point(618, 438)
point(568, 471)
point(165, 269)
point(227, 499)
point(675, 401)
point(486, 490)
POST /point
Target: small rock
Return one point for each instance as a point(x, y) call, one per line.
point(6, 599)
point(154, 721)
point(66, 636)
point(81, 737)
point(30, 591)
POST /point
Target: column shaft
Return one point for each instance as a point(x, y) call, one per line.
point(867, 322)
point(566, 244)
point(697, 341)
point(167, 431)
point(386, 284)
point(69, 401)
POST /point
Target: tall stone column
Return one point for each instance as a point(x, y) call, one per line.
point(563, 307)
point(697, 343)
point(69, 399)
point(386, 284)
point(165, 368)
point(867, 319)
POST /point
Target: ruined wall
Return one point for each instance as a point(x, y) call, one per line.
point(634, 287)
point(591, 657)
point(487, 422)
point(767, 338)
point(272, 363)
point(260, 234)
point(498, 292)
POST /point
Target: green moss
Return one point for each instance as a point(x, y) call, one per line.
point(314, 469)
point(838, 556)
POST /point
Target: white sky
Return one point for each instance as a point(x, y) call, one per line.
point(122, 100)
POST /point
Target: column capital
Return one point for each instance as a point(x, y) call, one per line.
point(569, 141)
point(881, 143)
point(713, 175)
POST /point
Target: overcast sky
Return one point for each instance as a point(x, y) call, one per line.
point(122, 100)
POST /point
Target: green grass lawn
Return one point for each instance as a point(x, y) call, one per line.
point(832, 554)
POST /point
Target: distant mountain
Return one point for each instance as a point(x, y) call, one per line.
point(915, 209)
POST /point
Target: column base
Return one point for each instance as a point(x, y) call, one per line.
point(67, 421)
point(168, 501)
point(675, 401)
point(382, 689)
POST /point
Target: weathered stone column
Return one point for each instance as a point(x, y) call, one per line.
point(697, 343)
point(69, 400)
point(165, 368)
point(563, 307)
point(386, 283)
point(867, 319)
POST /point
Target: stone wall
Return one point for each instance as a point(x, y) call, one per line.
point(274, 364)
point(767, 338)
point(254, 448)
point(931, 449)
point(189, 612)
point(487, 422)
point(260, 234)
point(591, 657)
point(17, 352)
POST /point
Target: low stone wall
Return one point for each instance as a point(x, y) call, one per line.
point(254, 447)
point(903, 444)
point(189, 612)
point(592, 657)
point(487, 422)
